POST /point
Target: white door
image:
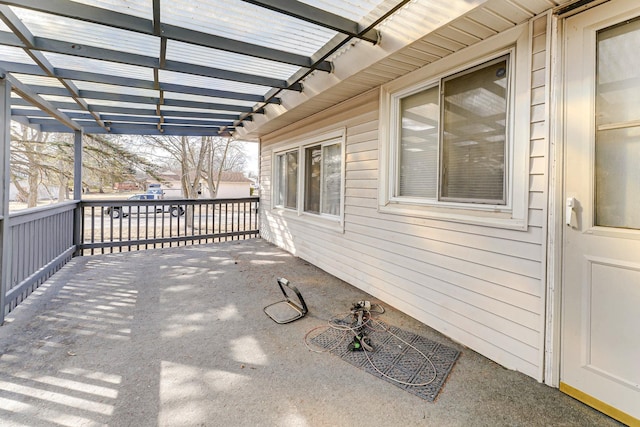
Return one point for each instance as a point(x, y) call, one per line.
point(600, 362)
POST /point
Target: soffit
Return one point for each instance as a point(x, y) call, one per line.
point(431, 31)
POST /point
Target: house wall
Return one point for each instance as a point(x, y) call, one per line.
point(231, 190)
point(481, 286)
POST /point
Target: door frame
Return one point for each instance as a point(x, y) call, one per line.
point(555, 215)
point(555, 223)
point(556, 134)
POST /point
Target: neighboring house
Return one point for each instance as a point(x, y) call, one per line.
point(233, 185)
point(477, 169)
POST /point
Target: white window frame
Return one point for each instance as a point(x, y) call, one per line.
point(276, 178)
point(512, 214)
point(327, 221)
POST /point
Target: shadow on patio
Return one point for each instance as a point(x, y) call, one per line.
point(178, 337)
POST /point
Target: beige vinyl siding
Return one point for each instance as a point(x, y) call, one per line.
point(481, 286)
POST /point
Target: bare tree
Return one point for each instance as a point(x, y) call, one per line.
point(201, 160)
point(45, 160)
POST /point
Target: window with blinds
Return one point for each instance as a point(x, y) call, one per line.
point(286, 188)
point(323, 179)
point(308, 177)
point(452, 142)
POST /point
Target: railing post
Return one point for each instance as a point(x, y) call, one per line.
point(5, 140)
point(77, 192)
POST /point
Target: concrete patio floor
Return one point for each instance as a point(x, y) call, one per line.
point(177, 337)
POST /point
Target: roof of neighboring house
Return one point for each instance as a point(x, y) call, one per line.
point(234, 177)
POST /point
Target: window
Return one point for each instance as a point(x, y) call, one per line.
point(309, 177)
point(452, 137)
point(287, 180)
point(456, 135)
point(323, 177)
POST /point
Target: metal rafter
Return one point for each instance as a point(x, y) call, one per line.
point(144, 130)
point(319, 17)
point(84, 51)
point(37, 101)
point(157, 31)
point(105, 110)
point(328, 50)
point(25, 36)
point(146, 100)
point(34, 70)
point(96, 15)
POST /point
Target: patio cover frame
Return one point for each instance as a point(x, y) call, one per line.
point(63, 106)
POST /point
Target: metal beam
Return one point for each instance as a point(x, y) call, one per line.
point(142, 130)
point(35, 100)
point(5, 142)
point(145, 100)
point(130, 113)
point(77, 192)
point(84, 51)
point(34, 70)
point(123, 21)
point(23, 33)
point(118, 120)
point(319, 17)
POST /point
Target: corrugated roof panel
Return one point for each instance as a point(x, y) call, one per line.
point(245, 22)
point(14, 54)
point(115, 89)
point(210, 83)
point(194, 54)
point(98, 66)
point(98, 102)
point(350, 9)
point(195, 111)
point(139, 8)
point(38, 80)
point(75, 31)
point(56, 98)
point(199, 98)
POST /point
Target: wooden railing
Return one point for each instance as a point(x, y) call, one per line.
point(40, 242)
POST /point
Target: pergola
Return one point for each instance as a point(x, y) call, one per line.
point(169, 67)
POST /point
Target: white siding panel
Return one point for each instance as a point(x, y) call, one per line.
point(366, 174)
point(482, 286)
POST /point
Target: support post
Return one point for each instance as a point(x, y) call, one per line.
point(77, 191)
point(5, 141)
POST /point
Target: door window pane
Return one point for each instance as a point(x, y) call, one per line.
point(617, 152)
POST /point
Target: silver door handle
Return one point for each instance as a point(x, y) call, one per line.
point(571, 203)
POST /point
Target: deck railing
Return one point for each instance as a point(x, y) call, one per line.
point(41, 241)
point(119, 226)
